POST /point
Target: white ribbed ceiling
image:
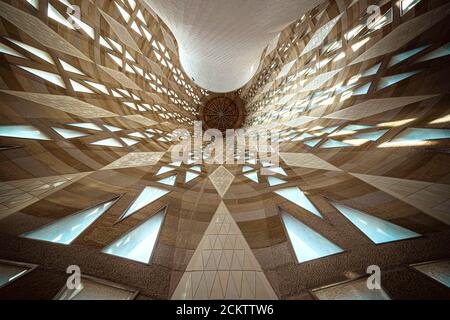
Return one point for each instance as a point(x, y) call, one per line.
point(221, 41)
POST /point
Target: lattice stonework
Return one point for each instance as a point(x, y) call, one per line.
point(223, 265)
point(358, 111)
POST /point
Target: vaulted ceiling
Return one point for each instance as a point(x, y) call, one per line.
point(91, 92)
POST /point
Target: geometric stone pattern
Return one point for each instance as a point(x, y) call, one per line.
point(375, 106)
point(431, 198)
point(135, 159)
point(319, 80)
point(120, 31)
point(121, 78)
point(141, 119)
point(405, 33)
point(38, 30)
point(64, 103)
point(307, 160)
point(221, 179)
point(18, 194)
point(223, 265)
point(320, 35)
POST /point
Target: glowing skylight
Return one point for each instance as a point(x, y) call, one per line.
point(351, 290)
point(372, 71)
point(406, 5)
point(390, 80)
point(147, 196)
point(303, 136)
point(112, 128)
point(69, 134)
point(93, 290)
point(48, 76)
point(420, 134)
point(86, 125)
point(163, 170)
point(405, 55)
point(307, 243)
point(362, 89)
point(70, 68)
point(129, 142)
point(438, 53)
point(371, 136)
point(98, 86)
point(22, 131)
point(37, 52)
point(5, 49)
point(252, 176)
point(125, 15)
point(137, 135)
point(55, 15)
point(138, 244)
point(170, 181)
point(331, 143)
point(109, 142)
point(175, 163)
point(437, 270)
point(190, 176)
point(312, 143)
point(376, 229)
point(278, 170)
point(77, 87)
point(67, 229)
point(85, 27)
point(273, 181)
point(34, 3)
point(10, 272)
point(297, 197)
